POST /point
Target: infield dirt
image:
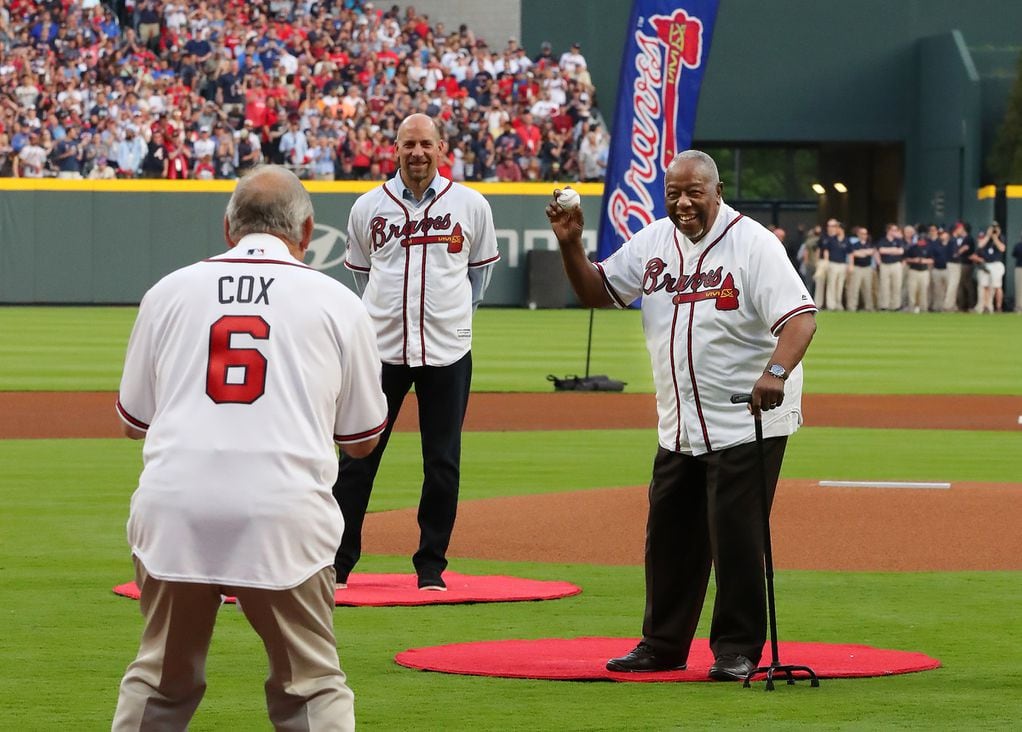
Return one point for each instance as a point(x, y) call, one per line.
point(969, 527)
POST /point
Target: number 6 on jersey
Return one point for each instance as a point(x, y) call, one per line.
point(223, 358)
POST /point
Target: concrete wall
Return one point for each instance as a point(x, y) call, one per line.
point(72, 243)
point(493, 22)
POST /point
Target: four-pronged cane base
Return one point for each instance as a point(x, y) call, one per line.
point(787, 671)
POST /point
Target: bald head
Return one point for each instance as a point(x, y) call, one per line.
point(419, 149)
point(269, 200)
point(421, 124)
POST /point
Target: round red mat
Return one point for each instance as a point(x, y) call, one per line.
point(380, 590)
point(584, 659)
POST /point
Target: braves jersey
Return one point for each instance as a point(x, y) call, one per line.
point(417, 259)
point(711, 312)
point(244, 369)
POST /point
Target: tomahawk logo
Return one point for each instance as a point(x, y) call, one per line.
point(667, 45)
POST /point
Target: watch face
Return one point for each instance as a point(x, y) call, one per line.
point(778, 371)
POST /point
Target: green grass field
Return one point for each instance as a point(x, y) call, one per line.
point(82, 349)
point(65, 638)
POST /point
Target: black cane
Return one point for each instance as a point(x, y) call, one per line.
point(768, 562)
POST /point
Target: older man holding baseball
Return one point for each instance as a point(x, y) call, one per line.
point(724, 312)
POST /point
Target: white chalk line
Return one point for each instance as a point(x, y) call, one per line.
point(881, 484)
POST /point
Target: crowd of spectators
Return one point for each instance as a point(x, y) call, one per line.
point(207, 89)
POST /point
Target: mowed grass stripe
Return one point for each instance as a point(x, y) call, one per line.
point(82, 349)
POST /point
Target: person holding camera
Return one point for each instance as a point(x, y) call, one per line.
point(989, 260)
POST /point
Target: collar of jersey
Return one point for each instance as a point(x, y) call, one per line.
point(436, 185)
point(269, 246)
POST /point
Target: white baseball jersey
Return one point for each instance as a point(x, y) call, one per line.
point(711, 312)
point(417, 259)
point(244, 369)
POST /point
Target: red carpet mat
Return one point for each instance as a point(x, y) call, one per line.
point(383, 590)
point(583, 659)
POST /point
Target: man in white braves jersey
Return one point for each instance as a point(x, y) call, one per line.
point(723, 312)
point(241, 373)
point(421, 248)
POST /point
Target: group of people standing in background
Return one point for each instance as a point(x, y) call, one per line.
point(909, 268)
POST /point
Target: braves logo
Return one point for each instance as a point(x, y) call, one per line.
point(675, 43)
point(712, 285)
point(381, 232)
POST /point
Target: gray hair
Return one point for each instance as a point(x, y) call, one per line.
point(702, 159)
point(268, 200)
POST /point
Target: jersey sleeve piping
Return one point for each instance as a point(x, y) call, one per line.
point(484, 262)
point(128, 419)
point(610, 288)
point(361, 436)
point(809, 308)
point(355, 267)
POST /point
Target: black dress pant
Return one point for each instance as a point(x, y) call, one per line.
point(707, 511)
point(442, 394)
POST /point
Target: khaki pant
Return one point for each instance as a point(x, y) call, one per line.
point(938, 288)
point(305, 690)
point(860, 281)
point(918, 290)
point(889, 297)
point(836, 275)
point(954, 277)
point(820, 283)
point(1018, 289)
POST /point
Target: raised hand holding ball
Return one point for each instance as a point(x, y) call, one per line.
point(568, 199)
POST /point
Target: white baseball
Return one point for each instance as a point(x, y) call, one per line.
point(568, 199)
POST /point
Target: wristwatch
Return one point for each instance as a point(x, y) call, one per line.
point(775, 369)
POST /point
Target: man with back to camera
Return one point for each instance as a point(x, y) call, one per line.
point(421, 248)
point(723, 312)
point(241, 373)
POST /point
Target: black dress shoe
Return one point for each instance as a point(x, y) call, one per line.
point(731, 667)
point(432, 581)
point(643, 658)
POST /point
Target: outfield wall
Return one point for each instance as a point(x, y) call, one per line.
point(104, 242)
point(107, 242)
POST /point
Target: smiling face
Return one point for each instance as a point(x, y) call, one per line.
point(692, 194)
point(418, 150)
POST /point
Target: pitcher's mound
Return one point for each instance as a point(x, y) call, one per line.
point(584, 659)
point(380, 590)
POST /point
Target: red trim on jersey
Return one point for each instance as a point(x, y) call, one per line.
point(485, 261)
point(610, 288)
point(674, 371)
point(791, 314)
point(422, 307)
point(691, 321)
point(404, 289)
point(355, 268)
point(436, 198)
point(674, 376)
point(422, 289)
point(360, 436)
point(233, 260)
point(133, 421)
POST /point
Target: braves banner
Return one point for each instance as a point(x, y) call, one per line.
point(661, 72)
